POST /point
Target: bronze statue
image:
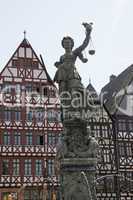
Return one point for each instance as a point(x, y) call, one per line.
point(67, 76)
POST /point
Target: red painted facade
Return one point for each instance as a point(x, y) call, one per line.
point(30, 126)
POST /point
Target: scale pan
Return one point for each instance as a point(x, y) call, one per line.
point(91, 52)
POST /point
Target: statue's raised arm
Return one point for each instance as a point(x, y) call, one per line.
point(78, 51)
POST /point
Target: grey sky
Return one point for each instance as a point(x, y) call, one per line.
point(47, 21)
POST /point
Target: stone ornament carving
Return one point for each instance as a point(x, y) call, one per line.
point(77, 141)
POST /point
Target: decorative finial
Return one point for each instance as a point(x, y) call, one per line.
point(24, 34)
point(89, 80)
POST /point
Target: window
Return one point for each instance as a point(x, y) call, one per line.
point(50, 167)
point(45, 91)
point(122, 125)
point(5, 167)
point(51, 138)
point(39, 115)
point(27, 194)
point(52, 93)
point(40, 140)
point(15, 62)
point(130, 125)
point(125, 149)
point(51, 115)
point(38, 89)
point(122, 149)
point(6, 139)
point(17, 115)
point(30, 116)
point(17, 139)
point(27, 167)
point(38, 167)
point(7, 88)
point(35, 64)
point(28, 88)
point(17, 88)
point(58, 116)
point(16, 167)
point(32, 194)
point(29, 138)
point(5, 196)
point(7, 115)
point(59, 138)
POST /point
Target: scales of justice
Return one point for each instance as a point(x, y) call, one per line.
point(77, 153)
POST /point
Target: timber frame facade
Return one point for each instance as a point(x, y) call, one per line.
point(114, 132)
point(118, 104)
point(30, 127)
point(115, 167)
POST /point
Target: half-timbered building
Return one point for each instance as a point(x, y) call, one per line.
point(118, 103)
point(100, 124)
point(30, 127)
point(112, 125)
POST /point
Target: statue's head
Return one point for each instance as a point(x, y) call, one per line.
point(67, 43)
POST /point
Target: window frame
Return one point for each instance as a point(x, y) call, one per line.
point(16, 167)
point(28, 167)
point(38, 167)
point(7, 169)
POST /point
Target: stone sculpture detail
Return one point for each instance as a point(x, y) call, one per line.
point(67, 76)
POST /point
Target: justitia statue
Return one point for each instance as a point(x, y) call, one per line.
point(67, 76)
point(77, 155)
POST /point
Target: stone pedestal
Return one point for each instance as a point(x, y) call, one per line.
point(78, 160)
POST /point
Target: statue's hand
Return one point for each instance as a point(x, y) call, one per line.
point(85, 60)
point(57, 64)
point(88, 27)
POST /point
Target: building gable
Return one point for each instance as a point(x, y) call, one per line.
point(117, 92)
point(24, 64)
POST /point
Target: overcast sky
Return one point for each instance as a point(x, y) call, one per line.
point(47, 21)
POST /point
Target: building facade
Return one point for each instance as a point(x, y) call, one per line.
point(113, 127)
point(30, 127)
point(118, 103)
point(101, 126)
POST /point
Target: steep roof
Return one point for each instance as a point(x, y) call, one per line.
point(115, 93)
point(23, 52)
point(92, 91)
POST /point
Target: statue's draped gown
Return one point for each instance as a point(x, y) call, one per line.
point(67, 70)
